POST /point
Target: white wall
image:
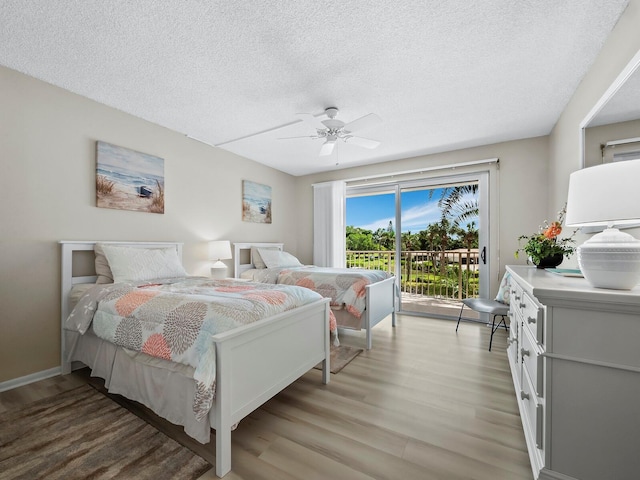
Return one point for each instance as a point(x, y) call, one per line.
point(522, 183)
point(47, 189)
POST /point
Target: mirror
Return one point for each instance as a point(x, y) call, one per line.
point(613, 125)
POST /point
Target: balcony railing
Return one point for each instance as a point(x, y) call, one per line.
point(451, 274)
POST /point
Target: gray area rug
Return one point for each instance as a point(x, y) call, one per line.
point(82, 434)
point(340, 357)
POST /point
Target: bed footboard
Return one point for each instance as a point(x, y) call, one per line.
point(256, 362)
point(380, 303)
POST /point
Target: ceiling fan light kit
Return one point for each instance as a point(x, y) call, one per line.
point(327, 147)
point(332, 129)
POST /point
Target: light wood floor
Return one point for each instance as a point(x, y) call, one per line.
point(425, 403)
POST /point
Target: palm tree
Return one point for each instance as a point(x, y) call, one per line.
point(460, 203)
point(470, 236)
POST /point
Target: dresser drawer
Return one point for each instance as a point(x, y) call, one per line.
point(515, 296)
point(514, 364)
point(533, 410)
point(532, 317)
point(514, 324)
point(532, 362)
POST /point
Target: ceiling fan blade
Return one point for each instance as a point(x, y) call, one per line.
point(311, 120)
point(362, 142)
point(304, 136)
point(327, 148)
point(233, 140)
point(368, 121)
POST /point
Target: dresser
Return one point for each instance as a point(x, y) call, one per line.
point(574, 354)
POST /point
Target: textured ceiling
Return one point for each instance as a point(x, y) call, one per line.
point(442, 75)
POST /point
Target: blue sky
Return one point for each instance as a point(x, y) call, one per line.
point(373, 212)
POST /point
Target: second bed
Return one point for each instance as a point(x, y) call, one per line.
point(360, 299)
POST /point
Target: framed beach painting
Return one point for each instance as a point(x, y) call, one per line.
point(256, 202)
point(128, 180)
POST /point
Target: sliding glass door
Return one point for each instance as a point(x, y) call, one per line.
point(431, 233)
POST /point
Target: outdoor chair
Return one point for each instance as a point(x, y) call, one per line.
point(492, 307)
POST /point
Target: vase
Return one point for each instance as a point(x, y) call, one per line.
point(551, 262)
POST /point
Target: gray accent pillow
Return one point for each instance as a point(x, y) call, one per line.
point(102, 265)
point(256, 259)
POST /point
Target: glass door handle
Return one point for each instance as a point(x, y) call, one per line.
point(483, 255)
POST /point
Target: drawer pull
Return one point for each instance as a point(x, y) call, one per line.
point(524, 396)
point(539, 426)
point(531, 319)
point(517, 298)
point(524, 353)
point(522, 305)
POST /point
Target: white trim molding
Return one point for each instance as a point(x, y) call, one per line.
point(27, 379)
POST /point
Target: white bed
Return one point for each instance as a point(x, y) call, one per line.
point(380, 298)
point(241, 384)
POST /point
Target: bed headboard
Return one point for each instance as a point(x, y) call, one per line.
point(241, 257)
point(71, 278)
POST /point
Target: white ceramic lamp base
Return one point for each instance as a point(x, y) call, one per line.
point(219, 270)
point(611, 259)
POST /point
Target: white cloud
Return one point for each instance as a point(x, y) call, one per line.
point(417, 218)
point(376, 224)
point(414, 219)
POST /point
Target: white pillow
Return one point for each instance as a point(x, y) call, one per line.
point(276, 258)
point(131, 264)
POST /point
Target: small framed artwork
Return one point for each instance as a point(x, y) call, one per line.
point(128, 180)
point(256, 202)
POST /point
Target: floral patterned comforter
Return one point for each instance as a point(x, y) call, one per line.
point(175, 319)
point(344, 286)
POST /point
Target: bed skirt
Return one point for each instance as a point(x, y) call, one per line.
point(167, 388)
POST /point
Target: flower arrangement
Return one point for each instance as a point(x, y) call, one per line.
point(547, 243)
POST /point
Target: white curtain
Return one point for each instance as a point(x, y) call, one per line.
point(329, 224)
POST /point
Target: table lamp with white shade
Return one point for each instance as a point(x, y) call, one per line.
point(219, 250)
point(607, 196)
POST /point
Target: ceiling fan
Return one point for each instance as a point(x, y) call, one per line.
point(332, 130)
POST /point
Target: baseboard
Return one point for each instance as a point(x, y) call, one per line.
point(551, 475)
point(27, 379)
